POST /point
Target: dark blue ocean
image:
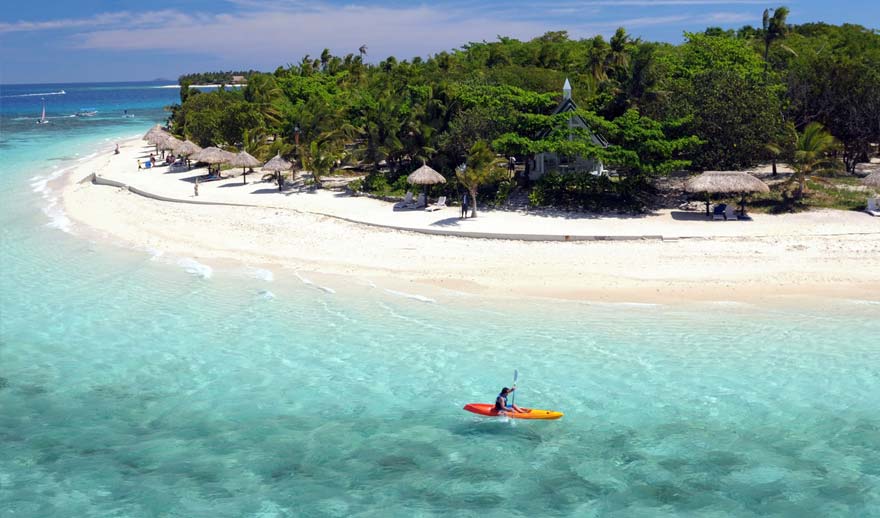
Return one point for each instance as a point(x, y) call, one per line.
point(137, 387)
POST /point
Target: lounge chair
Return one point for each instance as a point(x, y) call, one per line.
point(730, 213)
point(873, 207)
point(406, 203)
point(421, 201)
point(441, 204)
point(718, 212)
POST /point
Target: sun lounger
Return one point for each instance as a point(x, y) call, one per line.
point(406, 203)
point(718, 212)
point(873, 206)
point(441, 204)
point(421, 202)
point(730, 213)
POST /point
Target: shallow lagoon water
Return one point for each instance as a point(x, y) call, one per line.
point(133, 385)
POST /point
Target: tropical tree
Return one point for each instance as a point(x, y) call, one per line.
point(263, 91)
point(811, 155)
point(482, 167)
point(321, 155)
point(775, 29)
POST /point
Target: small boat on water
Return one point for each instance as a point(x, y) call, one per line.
point(43, 119)
point(126, 115)
point(86, 112)
point(488, 410)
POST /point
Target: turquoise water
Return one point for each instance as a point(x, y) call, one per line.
point(132, 385)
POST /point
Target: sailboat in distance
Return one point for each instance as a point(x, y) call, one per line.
point(43, 119)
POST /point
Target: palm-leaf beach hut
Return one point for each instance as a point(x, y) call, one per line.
point(243, 160)
point(425, 176)
point(726, 182)
point(187, 149)
point(213, 156)
point(170, 142)
point(277, 165)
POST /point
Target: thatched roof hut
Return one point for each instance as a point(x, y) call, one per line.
point(243, 160)
point(726, 182)
point(152, 131)
point(872, 180)
point(187, 148)
point(169, 142)
point(277, 164)
point(425, 176)
point(213, 155)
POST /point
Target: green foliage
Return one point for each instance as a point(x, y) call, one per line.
point(724, 99)
point(219, 118)
point(482, 167)
point(214, 78)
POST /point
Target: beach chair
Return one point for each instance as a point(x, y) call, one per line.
point(406, 203)
point(421, 201)
point(730, 213)
point(718, 212)
point(441, 204)
point(873, 207)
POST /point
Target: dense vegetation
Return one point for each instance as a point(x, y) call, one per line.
point(720, 100)
point(213, 78)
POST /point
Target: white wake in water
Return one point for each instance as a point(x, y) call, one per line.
point(307, 282)
point(193, 267)
point(36, 94)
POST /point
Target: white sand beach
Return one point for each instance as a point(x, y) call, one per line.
point(681, 256)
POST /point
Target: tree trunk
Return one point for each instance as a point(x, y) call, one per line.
point(473, 192)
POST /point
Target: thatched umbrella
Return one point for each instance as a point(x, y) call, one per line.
point(872, 180)
point(425, 176)
point(187, 148)
point(170, 142)
point(726, 182)
point(213, 156)
point(244, 159)
point(154, 130)
point(276, 165)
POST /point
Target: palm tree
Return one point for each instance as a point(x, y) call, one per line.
point(263, 91)
point(322, 154)
point(482, 167)
point(811, 155)
point(774, 29)
point(362, 50)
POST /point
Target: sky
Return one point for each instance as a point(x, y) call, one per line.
point(126, 40)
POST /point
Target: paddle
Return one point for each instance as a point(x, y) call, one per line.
point(513, 396)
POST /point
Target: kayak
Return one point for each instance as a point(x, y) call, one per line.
point(488, 409)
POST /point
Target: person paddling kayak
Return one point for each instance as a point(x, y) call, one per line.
point(501, 402)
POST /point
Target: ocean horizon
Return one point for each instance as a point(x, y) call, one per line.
point(134, 383)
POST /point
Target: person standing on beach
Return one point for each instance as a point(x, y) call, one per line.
point(196, 188)
point(464, 205)
point(140, 166)
point(117, 150)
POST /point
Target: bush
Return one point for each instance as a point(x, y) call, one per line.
point(587, 192)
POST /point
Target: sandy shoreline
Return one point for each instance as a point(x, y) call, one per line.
point(819, 254)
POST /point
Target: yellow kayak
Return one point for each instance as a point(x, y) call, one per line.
point(488, 409)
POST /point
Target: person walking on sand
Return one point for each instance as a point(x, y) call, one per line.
point(117, 150)
point(140, 166)
point(196, 188)
point(464, 205)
